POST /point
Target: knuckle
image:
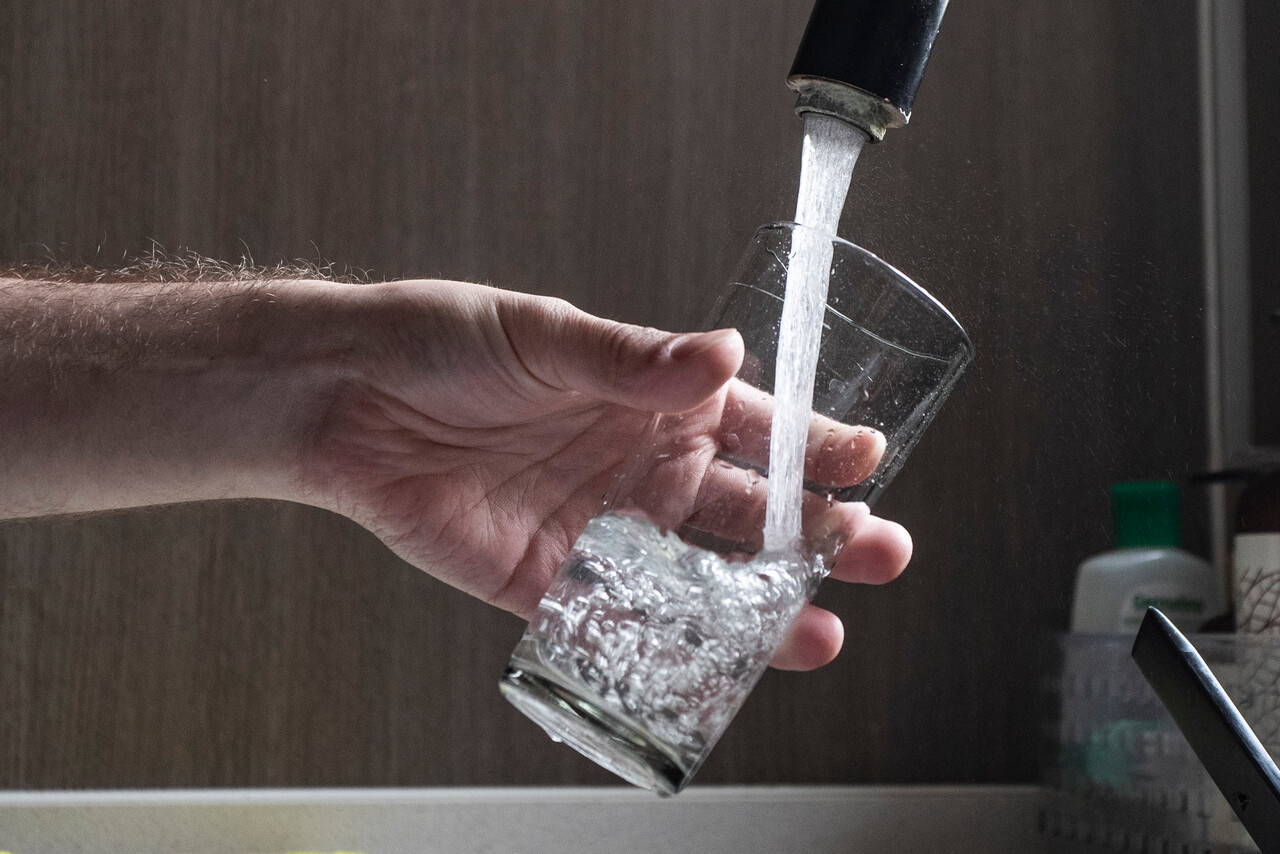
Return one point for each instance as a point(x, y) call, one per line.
point(622, 350)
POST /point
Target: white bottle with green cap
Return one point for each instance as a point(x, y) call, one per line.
point(1114, 589)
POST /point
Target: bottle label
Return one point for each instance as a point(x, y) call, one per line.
point(1184, 610)
point(1257, 582)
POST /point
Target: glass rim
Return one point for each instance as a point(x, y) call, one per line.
point(966, 343)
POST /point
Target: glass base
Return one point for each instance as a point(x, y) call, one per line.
point(579, 721)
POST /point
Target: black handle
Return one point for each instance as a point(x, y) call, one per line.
point(1231, 753)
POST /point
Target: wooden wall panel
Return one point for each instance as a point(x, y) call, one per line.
point(618, 155)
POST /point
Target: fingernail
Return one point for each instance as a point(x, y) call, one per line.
point(697, 343)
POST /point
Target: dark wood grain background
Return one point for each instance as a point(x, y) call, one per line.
point(618, 155)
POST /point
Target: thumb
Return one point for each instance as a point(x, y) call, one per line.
point(634, 366)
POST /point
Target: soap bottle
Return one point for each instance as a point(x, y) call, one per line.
point(1146, 568)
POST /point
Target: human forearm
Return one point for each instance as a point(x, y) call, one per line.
point(475, 431)
point(126, 394)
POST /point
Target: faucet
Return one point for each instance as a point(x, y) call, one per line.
point(862, 60)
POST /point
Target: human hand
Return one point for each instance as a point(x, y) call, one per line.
point(477, 430)
point(474, 430)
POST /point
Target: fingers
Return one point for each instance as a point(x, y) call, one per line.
point(630, 365)
point(875, 552)
point(658, 371)
point(814, 640)
point(836, 454)
point(731, 503)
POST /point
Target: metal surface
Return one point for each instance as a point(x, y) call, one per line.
point(861, 109)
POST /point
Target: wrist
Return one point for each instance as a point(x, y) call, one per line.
point(275, 378)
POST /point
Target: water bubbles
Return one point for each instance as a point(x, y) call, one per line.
point(579, 569)
point(671, 637)
point(731, 442)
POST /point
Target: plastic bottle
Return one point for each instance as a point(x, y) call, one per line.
point(1257, 557)
point(1114, 589)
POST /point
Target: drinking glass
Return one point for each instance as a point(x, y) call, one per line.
point(668, 610)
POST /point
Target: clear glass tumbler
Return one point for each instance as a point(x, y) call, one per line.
point(667, 611)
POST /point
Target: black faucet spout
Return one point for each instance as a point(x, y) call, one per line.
point(862, 60)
